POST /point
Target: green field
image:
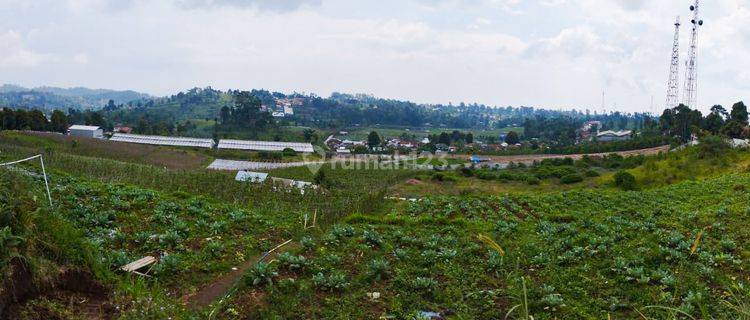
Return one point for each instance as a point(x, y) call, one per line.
point(477, 244)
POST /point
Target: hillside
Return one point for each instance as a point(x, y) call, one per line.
point(50, 98)
point(583, 250)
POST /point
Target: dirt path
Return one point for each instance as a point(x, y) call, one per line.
point(210, 293)
point(529, 158)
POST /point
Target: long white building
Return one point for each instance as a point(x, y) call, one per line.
point(250, 145)
point(86, 131)
point(163, 141)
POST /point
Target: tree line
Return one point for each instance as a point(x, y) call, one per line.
point(683, 122)
point(34, 120)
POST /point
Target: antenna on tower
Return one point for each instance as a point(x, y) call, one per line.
point(651, 110)
point(690, 97)
point(673, 85)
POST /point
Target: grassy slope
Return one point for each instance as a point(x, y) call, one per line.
point(172, 158)
point(603, 251)
point(583, 254)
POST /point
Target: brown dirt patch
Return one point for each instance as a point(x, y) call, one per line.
point(215, 290)
point(414, 182)
point(78, 290)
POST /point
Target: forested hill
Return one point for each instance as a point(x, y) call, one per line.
point(344, 110)
point(50, 98)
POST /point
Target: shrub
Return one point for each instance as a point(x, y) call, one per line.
point(288, 152)
point(624, 180)
point(712, 147)
point(592, 173)
point(571, 178)
point(532, 180)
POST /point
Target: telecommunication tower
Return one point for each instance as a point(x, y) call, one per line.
point(690, 97)
point(673, 85)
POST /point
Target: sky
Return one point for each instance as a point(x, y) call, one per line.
point(557, 54)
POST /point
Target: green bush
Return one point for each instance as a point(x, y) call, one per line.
point(288, 152)
point(571, 178)
point(624, 180)
point(712, 147)
point(592, 173)
point(532, 180)
point(270, 155)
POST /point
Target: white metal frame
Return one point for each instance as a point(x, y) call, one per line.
point(44, 172)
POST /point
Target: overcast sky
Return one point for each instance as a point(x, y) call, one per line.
point(557, 54)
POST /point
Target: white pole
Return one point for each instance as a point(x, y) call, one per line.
point(46, 183)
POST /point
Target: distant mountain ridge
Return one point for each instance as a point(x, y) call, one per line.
point(50, 98)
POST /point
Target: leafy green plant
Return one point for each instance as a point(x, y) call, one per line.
point(293, 262)
point(424, 284)
point(261, 274)
point(307, 242)
point(214, 248)
point(336, 281)
point(378, 269)
point(372, 238)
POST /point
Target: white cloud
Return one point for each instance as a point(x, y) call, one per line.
point(14, 54)
point(81, 58)
point(554, 53)
point(273, 5)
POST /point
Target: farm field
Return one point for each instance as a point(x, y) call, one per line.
point(481, 243)
point(169, 157)
point(578, 254)
point(177, 158)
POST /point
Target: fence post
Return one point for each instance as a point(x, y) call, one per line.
point(46, 183)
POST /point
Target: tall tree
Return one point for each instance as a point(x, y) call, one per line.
point(444, 138)
point(225, 115)
point(739, 113)
point(38, 121)
point(512, 138)
point(714, 120)
point(373, 139)
point(59, 121)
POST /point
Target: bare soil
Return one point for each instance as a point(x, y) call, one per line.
point(210, 293)
point(77, 289)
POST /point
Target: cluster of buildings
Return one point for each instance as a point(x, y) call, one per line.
point(227, 144)
point(285, 107)
point(345, 146)
point(590, 130)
